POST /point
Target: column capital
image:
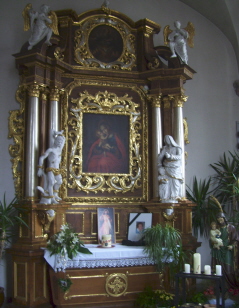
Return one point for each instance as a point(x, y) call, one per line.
point(34, 89)
point(178, 100)
point(155, 100)
point(55, 94)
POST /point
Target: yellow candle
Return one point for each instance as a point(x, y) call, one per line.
point(196, 263)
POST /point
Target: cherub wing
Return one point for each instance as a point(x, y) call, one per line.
point(166, 32)
point(26, 17)
point(191, 33)
point(54, 24)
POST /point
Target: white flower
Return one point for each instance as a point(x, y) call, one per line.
point(64, 227)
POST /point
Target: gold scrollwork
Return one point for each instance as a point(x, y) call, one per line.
point(125, 55)
point(104, 103)
point(116, 284)
point(16, 132)
point(155, 63)
point(185, 129)
point(46, 217)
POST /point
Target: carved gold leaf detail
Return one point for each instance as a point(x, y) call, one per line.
point(104, 103)
point(16, 132)
point(116, 284)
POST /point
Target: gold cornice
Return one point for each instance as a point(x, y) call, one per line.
point(167, 77)
point(147, 30)
point(124, 81)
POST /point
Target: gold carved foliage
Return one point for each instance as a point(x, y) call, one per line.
point(116, 284)
point(104, 103)
point(16, 132)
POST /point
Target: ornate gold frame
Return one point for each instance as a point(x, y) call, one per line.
point(83, 54)
point(104, 102)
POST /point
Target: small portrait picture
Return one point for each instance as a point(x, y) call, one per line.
point(138, 222)
point(106, 223)
point(140, 227)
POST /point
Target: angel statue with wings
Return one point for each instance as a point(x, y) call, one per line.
point(41, 23)
point(177, 40)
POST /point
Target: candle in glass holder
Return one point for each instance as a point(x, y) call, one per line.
point(196, 263)
point(218, 270)
point(187, 268)
point(207, 270)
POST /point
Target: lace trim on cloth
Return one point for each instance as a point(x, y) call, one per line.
point(109, 263)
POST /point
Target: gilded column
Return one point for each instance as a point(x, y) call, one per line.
point(156, 139)
point(54, 113)
point(178, 131)
point(32, 146)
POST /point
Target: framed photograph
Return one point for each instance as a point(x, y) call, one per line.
point(106, 223)
point(138, 222)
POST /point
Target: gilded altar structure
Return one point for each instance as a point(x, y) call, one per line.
point(101, 72)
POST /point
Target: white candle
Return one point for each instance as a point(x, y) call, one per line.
point(207, 270)
point(187, 268)
point(196, 263)
point(218, 270)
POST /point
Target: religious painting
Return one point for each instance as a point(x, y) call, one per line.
point(106, 223)
point(105, 43)
point(105, 143)
point(138, 222)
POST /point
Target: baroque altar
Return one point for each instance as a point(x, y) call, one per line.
point(94, 75)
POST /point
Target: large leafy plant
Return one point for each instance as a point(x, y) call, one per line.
point(226, 179)
point(206, 208)
point(163, 244)
point(9, 218)
point(224, 185)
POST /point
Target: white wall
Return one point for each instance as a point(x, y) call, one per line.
point(212, 107)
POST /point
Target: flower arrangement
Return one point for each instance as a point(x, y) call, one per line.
point(150, 298)
point(67, 242)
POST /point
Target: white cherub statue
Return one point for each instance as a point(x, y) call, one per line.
point(41, 23)
point(52, 175)
point(177, 40)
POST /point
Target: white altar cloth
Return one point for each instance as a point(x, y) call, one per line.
point(117, 256)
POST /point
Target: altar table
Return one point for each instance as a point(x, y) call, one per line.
point(109, 277)
point(116, 256)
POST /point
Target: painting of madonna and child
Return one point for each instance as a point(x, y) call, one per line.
point(105, 143)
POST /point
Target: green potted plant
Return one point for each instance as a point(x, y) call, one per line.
point(205, 209)
point(9, 218)
point(163, 244)
point(150, 298)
